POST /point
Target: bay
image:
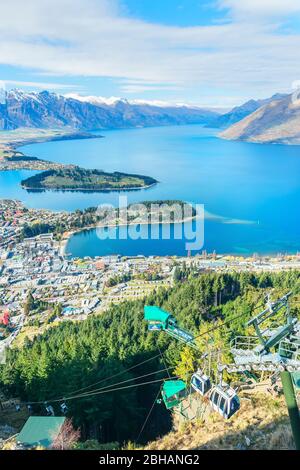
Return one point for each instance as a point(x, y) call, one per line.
point(254, 189)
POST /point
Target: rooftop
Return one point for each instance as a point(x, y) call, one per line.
point(171, 387)
point(40, 430)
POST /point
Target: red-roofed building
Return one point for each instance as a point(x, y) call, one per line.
point(4, 319)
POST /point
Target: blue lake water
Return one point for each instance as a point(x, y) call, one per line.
point(235, 180)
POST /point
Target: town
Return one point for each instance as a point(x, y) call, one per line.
point(41, 285)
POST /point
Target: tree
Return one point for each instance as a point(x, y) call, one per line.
point(177, 274)
point(29, 304)
point(57, 311)
point(67, 437)
point(186, 365)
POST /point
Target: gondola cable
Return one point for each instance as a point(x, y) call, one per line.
point(87, 394)
point(133, 367)
point(93, 392)
point(163, 359)
point(67, 398)
point(117, 374)
point(148, 415)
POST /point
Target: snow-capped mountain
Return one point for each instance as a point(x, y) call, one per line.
point(98, 100)
point(114, 100)
point(50, 110)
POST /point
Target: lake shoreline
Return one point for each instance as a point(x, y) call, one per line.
point(241, 183)
point(69, 234)
point(38, 190)
point(12, 159)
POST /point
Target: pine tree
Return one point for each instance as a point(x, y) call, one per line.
point(29, 304)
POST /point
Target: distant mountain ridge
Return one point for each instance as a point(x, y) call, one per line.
point(276, 122)
point(240, 112)
point(274, 119)
point(50, 110)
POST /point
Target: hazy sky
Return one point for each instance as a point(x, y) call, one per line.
point(209, 52)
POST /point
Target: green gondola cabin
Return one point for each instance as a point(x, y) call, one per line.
point(173, 393)
point(157, 318)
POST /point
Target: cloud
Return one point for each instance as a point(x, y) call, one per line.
point(270, 8)
point(40, 85)
point(140, 86)
point(93, 38)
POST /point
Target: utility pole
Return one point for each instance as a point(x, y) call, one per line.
point(290, 398)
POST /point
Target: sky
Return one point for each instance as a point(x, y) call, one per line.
point(213, 53)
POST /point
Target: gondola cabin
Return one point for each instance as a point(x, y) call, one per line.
point(224, 400)
point(173, 393)
point(200, 383)
point(157, 318)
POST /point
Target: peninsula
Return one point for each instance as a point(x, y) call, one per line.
point(12, 159)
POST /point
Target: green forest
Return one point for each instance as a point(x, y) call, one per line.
point(76, 178)
point(73, 356)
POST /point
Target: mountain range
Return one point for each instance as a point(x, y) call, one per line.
point(275, 119)
point(50, 110)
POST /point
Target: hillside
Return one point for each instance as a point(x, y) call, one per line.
point(116, 347)
point(50, 110)
point(276, 122)
point(240, 112)
point(261, 423)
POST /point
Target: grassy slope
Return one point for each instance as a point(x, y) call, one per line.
point(262, 419)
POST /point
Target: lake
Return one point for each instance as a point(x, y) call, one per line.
point(254, 189)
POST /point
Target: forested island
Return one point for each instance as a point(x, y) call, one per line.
point(79, 179)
